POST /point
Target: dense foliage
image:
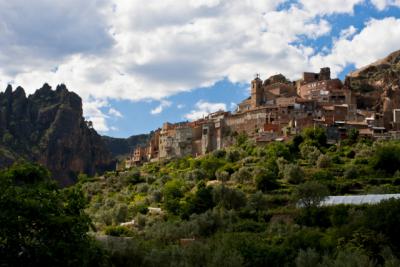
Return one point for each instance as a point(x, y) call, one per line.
point(42, 225)
point(246, 205)
point(251, 205)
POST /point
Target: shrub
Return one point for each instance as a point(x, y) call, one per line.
point(315, 136)
point(324, 161)
point(257, 202)
point(265, 179)
point(198, 202)
point(278, 150)
point(310, 194)
point(172, 194)
point(120, 212)
point(351, 173)
point(222, 176)
point(118, 231)
point(195, 175)
point(242, 175)
point(323, 175)
point(387, 157)
point(132, 177)
point(310, 153)
point(228, 198)
point(233, 155)
point(219, 153)
point(293, 174)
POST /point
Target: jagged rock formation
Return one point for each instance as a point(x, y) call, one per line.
point(378, 84)
point(48, 127)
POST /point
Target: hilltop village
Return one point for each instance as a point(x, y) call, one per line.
point(276, 110)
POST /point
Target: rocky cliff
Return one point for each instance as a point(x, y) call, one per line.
point(48, 127)
point(378, 84)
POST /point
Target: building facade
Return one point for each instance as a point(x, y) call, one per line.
point(276, 110)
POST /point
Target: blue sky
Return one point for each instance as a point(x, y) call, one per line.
point(138, 64)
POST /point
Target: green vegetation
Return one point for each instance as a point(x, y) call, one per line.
point(42, 225)
point(245, 205)
point(254, 206)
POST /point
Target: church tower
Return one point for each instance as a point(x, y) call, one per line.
point(256, 92)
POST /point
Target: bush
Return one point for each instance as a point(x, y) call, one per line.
point(265, 179)
point(233, 155)
point(196, 175)
point(242, 175)
point(219, 153)
point(118, 231)
point(387, 157)
point(384, 218)
point(120, 212)
point(323, 175)
point(229, 198)
point(310, 194)
point(198, 202)
point(257, 202)
point(324, 161)
point(210, 165)
point(172, 195)
point(132, 177)
point(293, 174)
point(278, 150)
point(310, 153)
point(315, 136)
point(351, 173)
point(222, 176)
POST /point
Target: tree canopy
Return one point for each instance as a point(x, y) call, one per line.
point(41, 224)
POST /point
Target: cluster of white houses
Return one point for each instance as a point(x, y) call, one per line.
point(276, 110)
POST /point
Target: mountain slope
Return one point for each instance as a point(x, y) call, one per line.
point(377, 85)
point(120, 147)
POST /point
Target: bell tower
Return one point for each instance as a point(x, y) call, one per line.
point(256, 92)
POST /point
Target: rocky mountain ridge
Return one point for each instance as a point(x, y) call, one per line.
point(48, 127)
point(377, 85)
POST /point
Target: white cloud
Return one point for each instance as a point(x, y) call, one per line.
point(163, 104)
point(180, 106)
point(135, 50)
point(348, 32)
point(203, 108)
point(382, 4)
point(115, 113)
point(40, 33)
point(92, 112)
point(376, 40)
point(119, 53)
point(291, 23)
point(324, 7)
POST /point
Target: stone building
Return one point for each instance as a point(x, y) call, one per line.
point(275, 110)
point(320, 87)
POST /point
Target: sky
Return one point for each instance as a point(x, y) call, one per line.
point(137, 64)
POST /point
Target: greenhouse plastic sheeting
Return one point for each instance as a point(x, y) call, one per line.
point(357, 200)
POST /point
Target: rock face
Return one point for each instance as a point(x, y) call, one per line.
point(48, 127)
point(378, 84)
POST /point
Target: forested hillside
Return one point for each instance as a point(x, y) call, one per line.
point(240, 206)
